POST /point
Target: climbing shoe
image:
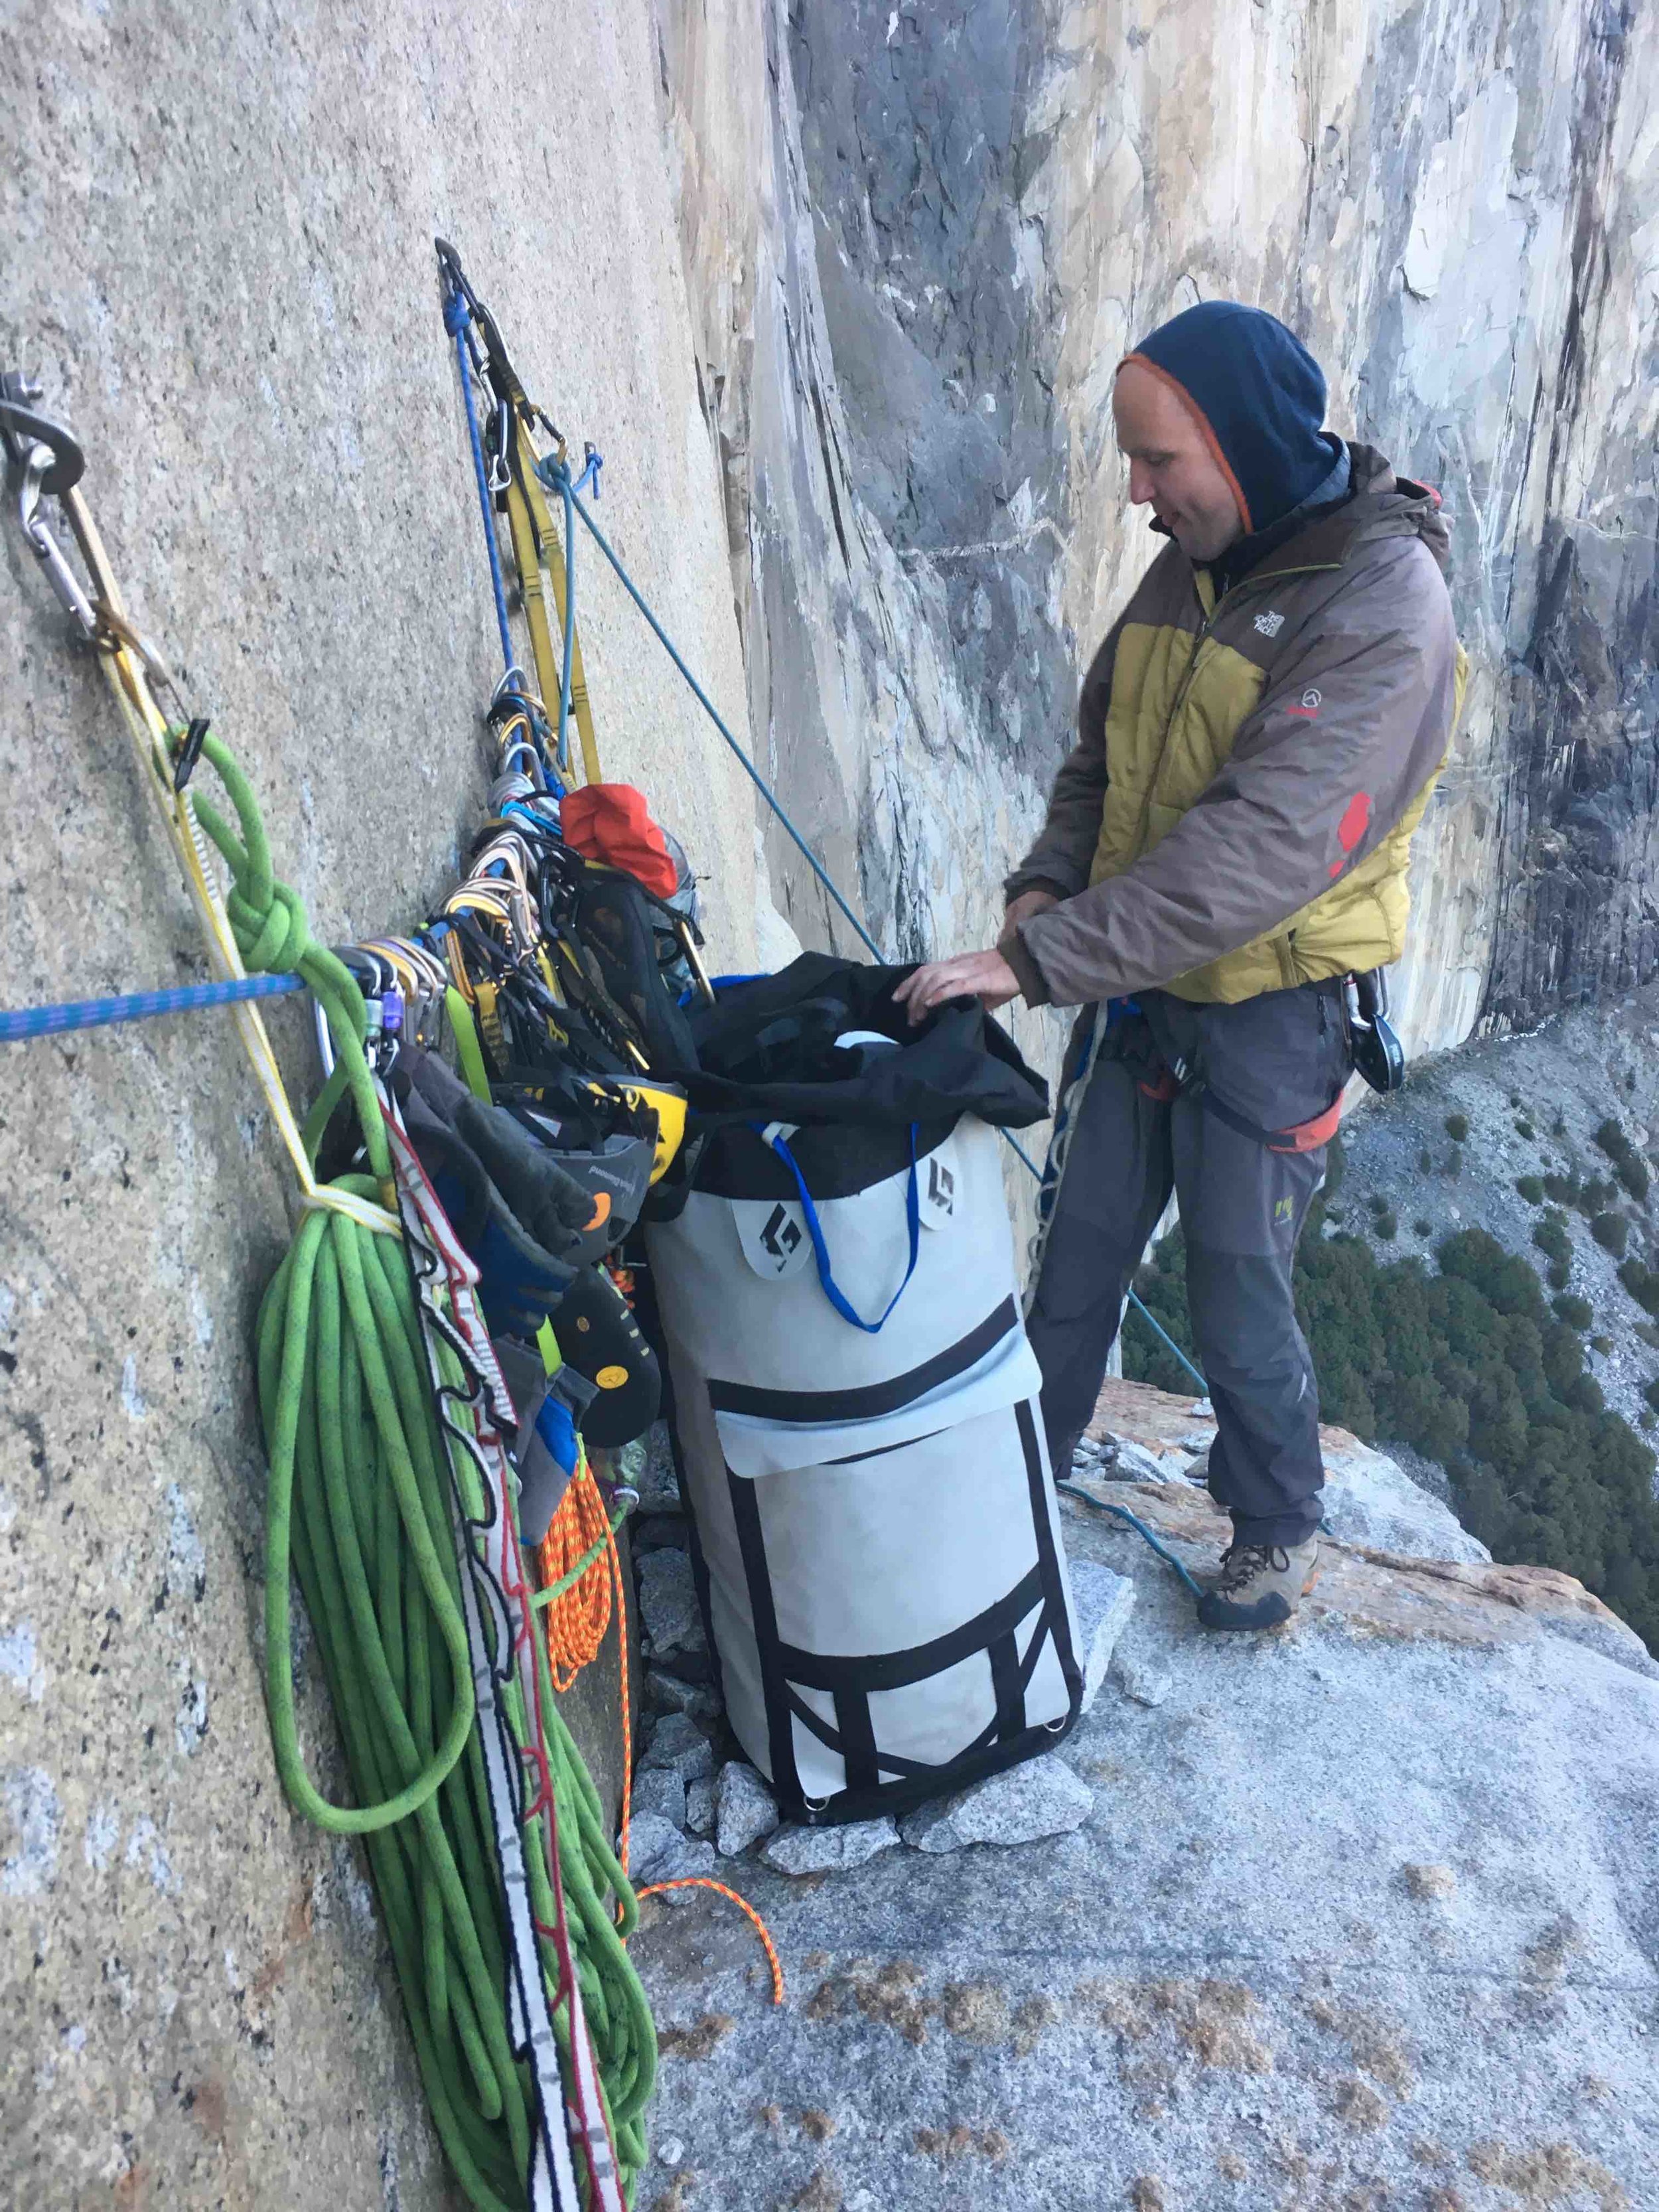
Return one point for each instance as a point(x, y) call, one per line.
point(1259, 1585)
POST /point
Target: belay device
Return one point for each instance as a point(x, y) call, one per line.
point(854, 1399)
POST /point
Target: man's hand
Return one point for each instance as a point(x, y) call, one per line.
point(1022, 909)
point(986, 976)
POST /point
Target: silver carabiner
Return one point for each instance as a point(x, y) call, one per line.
point(49, 461)
point(71, 597)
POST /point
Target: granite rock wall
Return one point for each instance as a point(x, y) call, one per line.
point(218, 259)
point(966, 213)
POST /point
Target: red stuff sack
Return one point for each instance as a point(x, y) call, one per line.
point(611, 822)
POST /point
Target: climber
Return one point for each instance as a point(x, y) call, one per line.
point(1258, 737)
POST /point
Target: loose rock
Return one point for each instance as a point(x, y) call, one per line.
point(666, 1693)
point(1042, 1797)
point(1102, 1601)
point(660, 1853)
point(659, 1791)
point(1134, 1463)
point(744, 1810)
point(1138, 1679)
point(668, 1604)
point(829, 1851)
point(700, 1806)
point(678, 1742)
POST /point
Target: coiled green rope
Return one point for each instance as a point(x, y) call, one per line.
point(359, 1506)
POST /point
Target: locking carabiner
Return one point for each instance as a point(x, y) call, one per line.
point(47, 461)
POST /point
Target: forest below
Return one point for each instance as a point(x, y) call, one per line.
point(1469, 1362)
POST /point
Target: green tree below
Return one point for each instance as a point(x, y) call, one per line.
point(1469, 1366)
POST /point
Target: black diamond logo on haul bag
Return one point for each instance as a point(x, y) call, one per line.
point(781, 1235)
point(941, 1188)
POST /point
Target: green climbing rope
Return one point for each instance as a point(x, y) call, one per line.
point(590, 1558)
point(360, 1508)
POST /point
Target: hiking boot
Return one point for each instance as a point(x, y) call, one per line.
point(1260, 1585)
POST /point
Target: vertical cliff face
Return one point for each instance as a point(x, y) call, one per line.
point(219, 225)
point(1578, 912)
point(967, 214)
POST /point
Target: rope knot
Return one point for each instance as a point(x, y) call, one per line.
point(273, 936)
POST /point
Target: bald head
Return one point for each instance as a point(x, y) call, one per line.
point(1173, 465)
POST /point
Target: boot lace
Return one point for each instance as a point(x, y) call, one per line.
point(1242, 1562)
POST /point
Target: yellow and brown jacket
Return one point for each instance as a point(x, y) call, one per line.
point(1236, 815)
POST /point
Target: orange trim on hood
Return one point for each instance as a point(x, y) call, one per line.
point(1141, 361)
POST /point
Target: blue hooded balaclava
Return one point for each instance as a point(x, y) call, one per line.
point(1259, 396)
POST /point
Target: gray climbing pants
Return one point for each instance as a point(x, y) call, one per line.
point(1278, 1062)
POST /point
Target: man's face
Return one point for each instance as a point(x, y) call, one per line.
point(1171, 466)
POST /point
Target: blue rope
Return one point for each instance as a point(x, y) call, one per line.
point(1071, 1490)
point(556, 474)
point(1151, 1320)
point(1158, 1330)
point(713, 714)
point(457, 314)
point(97, 1013)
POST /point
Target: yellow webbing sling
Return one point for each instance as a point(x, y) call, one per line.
point(535, 539)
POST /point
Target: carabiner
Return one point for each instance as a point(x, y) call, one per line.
point(65, 584)
point(48, 461)
point(593, 462)
point(24, 430)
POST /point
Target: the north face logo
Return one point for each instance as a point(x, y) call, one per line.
point(781, 1235)
point(1270, 624)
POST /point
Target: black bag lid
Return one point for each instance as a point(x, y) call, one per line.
point(767, 1052)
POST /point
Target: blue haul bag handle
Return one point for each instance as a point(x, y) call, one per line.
point(772, 1134)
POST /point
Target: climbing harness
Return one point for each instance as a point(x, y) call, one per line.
point(392, 1496)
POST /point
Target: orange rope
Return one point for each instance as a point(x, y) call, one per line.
point(579, 1617)
point(615, 1558)
point(576, 1623)
point(703, 1881)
